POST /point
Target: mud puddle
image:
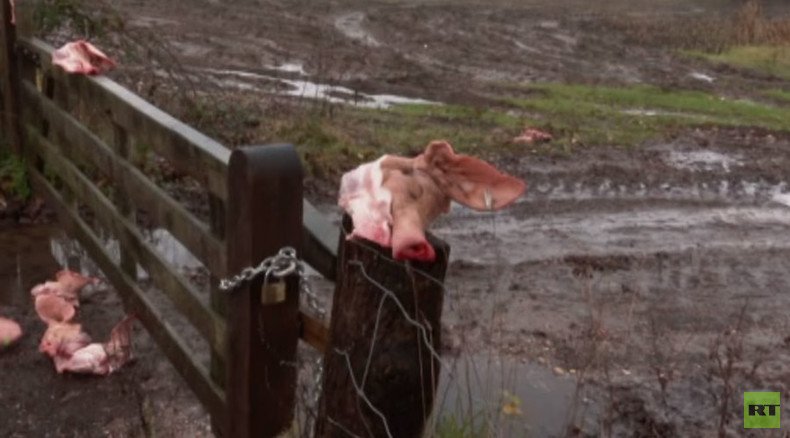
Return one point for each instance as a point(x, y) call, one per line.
point(514, 398)
point(637, 231)
point(587, 272)
point(304, 88)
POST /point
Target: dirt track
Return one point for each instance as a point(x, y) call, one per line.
point(626, 273)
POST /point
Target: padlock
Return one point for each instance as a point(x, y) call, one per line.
point(273, 292)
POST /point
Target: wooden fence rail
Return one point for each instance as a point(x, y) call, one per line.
point(81, 138)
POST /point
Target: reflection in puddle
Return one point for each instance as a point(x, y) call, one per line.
point(25, 262)
point(250, 81)
point(479, 387)
point(69, 253)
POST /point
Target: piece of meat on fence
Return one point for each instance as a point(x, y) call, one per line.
point(82, 57)
point(393, 200)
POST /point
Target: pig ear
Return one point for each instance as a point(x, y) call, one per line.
point(468, 180)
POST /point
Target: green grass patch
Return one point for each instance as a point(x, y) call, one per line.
point(774, 60)
point(13, 176)
point(780, 95)
point(592, 115)
point(577, 115)
point(334, 138)
point(331, 143)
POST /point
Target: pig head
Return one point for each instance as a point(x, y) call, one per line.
point(393, 200)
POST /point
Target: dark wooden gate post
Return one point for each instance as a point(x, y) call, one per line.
point(398, 377)
point(264, 214)
point(9, 82)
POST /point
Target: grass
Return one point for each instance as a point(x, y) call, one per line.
point(333, 142)
point(333, 138)
point(594, 115)
point(773, 60)
point(461, 426)
point(780, 95)
point(13, 177)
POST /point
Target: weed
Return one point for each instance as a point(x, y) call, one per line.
point(751, 26)
point(13, 176)
point(334, 141)
point(452, 426)
point(709, 33)
point(51, 15)
point(780, 95)
point(772, 60)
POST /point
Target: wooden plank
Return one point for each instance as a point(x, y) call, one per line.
point(264, 214)
point(320, 249)
point(314, 332)
point(164, 210)
point(218, 301)
point(9, 80)
point(125, 206)
point(376, 347)
point(184, 147)
point(196, 376)
point(179, 291)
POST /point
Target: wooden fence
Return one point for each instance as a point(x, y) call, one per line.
point(86, 140)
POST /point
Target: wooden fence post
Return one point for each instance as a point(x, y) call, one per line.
point(264, 213)
point(387, 355)
point(9, 82)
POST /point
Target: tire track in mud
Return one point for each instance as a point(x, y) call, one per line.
point(632, 231)
point(630, 271)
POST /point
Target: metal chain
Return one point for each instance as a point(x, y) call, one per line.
point(280, 265)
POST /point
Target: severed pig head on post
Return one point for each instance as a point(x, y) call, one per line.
point(393, 200)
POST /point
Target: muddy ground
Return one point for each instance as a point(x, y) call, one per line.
point(632, 292)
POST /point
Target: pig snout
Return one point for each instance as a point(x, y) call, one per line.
point(409, 243)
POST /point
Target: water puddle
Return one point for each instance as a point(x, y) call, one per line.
point(781, 198)
point(514, 398)
point(69, 253)
point(702, 77)
point(549, 186)
point(301, 88)
point(549, 24)
point(26, 261)
point(645, 112)
point(350, 25)
point(291, 67)
point(705, 160)
point(518, 236)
